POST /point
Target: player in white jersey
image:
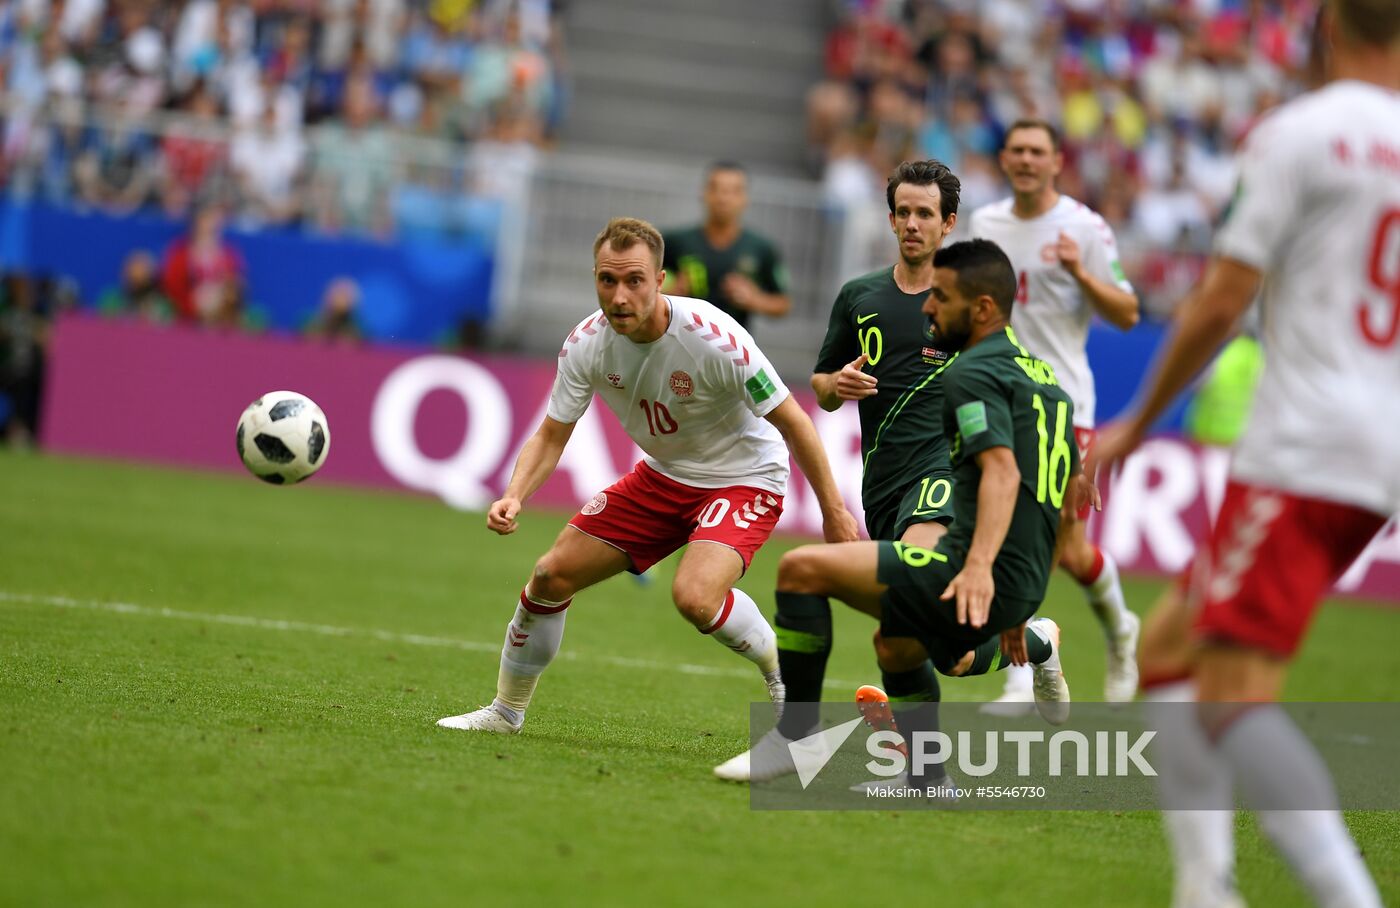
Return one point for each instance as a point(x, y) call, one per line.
point(1067, 271)
point(1316, 224)
point(701, 400)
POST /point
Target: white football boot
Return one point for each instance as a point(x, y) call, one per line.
point(1120, 680)
point(768, 759)
point(1051, 689)
point(488, 719)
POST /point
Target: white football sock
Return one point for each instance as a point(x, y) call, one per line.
point(740, 626)
point(1192, 776)
point(1019, 680)
point(532, 640)
point(1276, 764)
point(1106, 596)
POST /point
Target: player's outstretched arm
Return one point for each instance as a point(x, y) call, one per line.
point(537, 460)
point(801, 436)
point(973, 587)
point(850, 383)
point(1203, 323)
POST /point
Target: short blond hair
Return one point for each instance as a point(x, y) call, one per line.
point(624, 233)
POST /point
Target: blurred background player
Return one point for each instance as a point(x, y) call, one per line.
point(696, 394)
point(721, 260)
point(960, 605)
point(1314, 476)
point(879, 352)
point(1067, 271)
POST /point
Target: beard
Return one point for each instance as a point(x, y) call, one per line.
point(954, 337)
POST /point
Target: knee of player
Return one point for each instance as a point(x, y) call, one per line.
point(898, 654)
point(1077, 556)
point(799, 572)
point(546, 581)
point(693, 601)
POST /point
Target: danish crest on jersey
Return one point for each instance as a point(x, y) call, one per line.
point(615, 380)
point(681, 384)
point(595, 505)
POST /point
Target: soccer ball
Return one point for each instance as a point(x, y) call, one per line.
point(283, 437)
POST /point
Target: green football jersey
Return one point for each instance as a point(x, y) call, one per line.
point(901, 427)
point(690, 255)
point(997, 395)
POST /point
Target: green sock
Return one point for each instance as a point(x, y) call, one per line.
point(1037, 647)
point(920, 684)
point(914, 697)
point(984, 656)
point(803, 628)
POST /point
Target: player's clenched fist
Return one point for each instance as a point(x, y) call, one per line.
point(501, 516)
point(852, 383)
point(1067, 251)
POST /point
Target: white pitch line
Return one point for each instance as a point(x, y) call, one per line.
point(331, 630)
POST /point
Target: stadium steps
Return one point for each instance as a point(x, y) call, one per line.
point(685, 82)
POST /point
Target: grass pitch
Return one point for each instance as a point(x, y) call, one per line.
point(217, 692)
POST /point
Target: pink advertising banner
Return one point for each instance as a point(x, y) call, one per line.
point(451, 426)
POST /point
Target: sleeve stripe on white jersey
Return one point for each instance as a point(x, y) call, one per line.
point(587, 327)
point(697, 323)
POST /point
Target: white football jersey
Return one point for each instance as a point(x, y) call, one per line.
point(1317, 211)
point(693, 400)
point(1052, 316)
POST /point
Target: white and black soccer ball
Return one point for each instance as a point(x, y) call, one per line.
point(283, 437)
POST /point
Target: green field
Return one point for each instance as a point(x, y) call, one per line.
point(217, 692)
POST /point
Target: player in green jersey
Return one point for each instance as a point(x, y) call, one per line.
point(722, 261)
point(971, 598)
point(879, 352)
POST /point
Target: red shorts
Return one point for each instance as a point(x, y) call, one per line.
point(1084, 439)
point(648, 516)
point(1270, 559)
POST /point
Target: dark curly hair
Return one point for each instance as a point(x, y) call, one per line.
point(927, 173)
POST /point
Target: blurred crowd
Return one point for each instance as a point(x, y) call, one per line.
point(327, 114)
point(1152, 96)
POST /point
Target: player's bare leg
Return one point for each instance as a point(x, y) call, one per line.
point(1238, 688)
point(705, 595)
point(924, 535)
point(1097, 574)
point(807, 576)
point(1191, 774)
point(575, 562)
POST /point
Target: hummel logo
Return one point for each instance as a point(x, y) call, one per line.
point(811, 754)
point(862, 319)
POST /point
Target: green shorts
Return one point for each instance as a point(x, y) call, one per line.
point(911, 607)
point(926, 498)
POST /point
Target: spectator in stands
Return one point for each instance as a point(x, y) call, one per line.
point(231, 312)
point(267, 161)
point(193, 154)
point(335, 320)
point(117, 169)
point(139, 293)
point(202, 272)
point(720, 260)
point(352, 166)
